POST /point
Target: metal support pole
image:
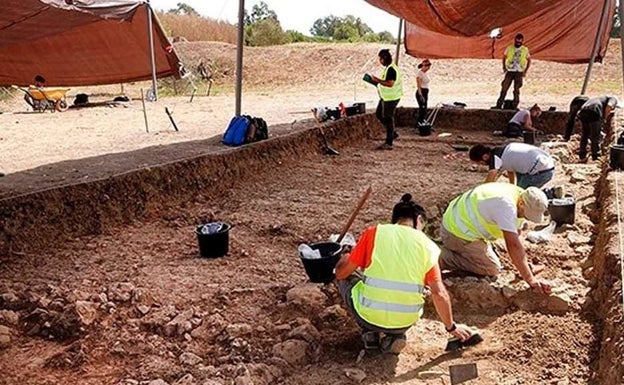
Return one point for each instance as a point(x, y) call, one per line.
point(595, 47)
point(150, 33)
point(398, 47)
point(621, 17)
point(239, 56)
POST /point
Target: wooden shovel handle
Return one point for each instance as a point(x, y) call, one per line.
point(355, 213)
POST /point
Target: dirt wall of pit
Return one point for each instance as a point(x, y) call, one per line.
point(605, 297)
point(42, 220)
point(551, 122)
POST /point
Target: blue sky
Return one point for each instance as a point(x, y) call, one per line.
point(298, 15)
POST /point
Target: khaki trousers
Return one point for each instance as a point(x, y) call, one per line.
point(476, 257)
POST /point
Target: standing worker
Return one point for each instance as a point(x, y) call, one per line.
point(575, 107)
point(526, 165)
point(422, 89)
point(397, 261)
point(594, 114)
point(516, 64)
point(488, 212)
point(390, 88)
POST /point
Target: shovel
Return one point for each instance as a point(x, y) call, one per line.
point(170, 115)
point(355, 212)
point(326, 147)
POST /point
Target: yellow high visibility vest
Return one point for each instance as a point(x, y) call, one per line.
point(524, 55)
point(395, 92)
point(463, 219)
point(391, 293)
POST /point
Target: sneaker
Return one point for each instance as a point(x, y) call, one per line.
point(393, 344)
point(385, 146)
point(371, 340)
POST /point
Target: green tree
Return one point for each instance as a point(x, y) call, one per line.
point(260, 12)
point(296, 37)
point(325, 26)
point(265, 32)
point(183, 9)
point(347, 32)
point(386, 37)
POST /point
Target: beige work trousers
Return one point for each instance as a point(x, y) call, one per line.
point(476, 257)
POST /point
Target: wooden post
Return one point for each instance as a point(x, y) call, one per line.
point(144, 112)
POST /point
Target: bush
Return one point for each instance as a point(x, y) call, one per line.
point(265, 32)
point(197, 28)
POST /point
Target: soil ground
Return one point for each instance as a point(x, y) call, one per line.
point(302, 201)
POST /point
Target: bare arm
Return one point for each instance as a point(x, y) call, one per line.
point(442, 303)
point(344, 267)
point(492, 175)
point(518, 258)
point(528, 65)
point(385, 83)
point(419, 85)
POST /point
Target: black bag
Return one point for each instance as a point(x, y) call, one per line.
point(257, 131)
point(81, 99)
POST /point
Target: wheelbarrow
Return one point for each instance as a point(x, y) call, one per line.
point(47, 98)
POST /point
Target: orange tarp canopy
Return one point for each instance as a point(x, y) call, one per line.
point(556, 30)
point(80, 42)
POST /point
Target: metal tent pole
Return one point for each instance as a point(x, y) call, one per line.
point(150, 33)
point(398, 46)
point(621, 17)
point(239, 56)
point(595, 47)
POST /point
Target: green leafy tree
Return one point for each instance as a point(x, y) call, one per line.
point(326, 26)
point(296, 37)
point(265, 32)
point(346, 32)
point(183, 9)
point(260, 12)
point(386, 37)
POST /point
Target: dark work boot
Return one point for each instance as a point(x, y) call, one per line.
point(371, 340)
point(393, 343)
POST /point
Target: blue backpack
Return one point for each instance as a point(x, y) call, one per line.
point(236, 132)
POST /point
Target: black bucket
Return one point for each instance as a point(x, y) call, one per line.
point(322, 270)
point(616, 157)
point(529, 137)
point(424, 129)
point(352, 110)
point(361, 106)
point(213, 245)
point(562, 210)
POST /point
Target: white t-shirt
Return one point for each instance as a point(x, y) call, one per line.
point(521, 158)
point(501, 211)
point(424, 78)
point(515, 60)
point(520, 117)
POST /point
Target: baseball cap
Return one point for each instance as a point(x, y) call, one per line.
point(535, 204)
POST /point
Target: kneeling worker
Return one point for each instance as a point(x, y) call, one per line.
point(522, 121)
point(397, 260)
point(526, 165)
point(486, 213)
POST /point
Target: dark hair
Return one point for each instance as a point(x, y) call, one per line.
point(39, 79)
point(386, 57)
point(520, 36)
point(409, 209)
point(477, 151)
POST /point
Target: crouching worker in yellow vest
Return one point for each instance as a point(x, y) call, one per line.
point(397, 262)
point(486, 213)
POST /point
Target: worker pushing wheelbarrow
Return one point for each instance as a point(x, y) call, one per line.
point(42, 98)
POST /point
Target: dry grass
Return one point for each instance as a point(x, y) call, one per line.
point(195, 28)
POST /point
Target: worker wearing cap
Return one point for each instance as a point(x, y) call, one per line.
point(516, 63)
point(525, 165)
point(488, 212)
point(397, 261)
point(595, 113)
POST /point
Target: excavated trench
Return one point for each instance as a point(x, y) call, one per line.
point(100, 282)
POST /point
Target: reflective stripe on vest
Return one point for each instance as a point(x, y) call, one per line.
point(463, 219)
point(396, 91)
point(510, 52)
point(391, 293)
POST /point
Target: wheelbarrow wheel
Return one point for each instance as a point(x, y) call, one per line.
point(60, 106)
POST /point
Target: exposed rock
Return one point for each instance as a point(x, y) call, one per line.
point(121, 292)
point(188, 379)
point(355, 375)
point(212, 382)
point(292, 351)
point(9, 298)
point(180, 324)
point(508, 291)
point(129, 382)
point(103, 297)
point(238, 330)
point(576, 239)
point(333, 313)
point(87, 311)
point(559, 303)
point(306, 332)
point(283, 328)
point(203, 332)
point(190, 359)
point(143, 309)
point(5, 337)
point(307, 296)
point(479, 295)
point(8, 317)
point(157, 382)
point(578, 177)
